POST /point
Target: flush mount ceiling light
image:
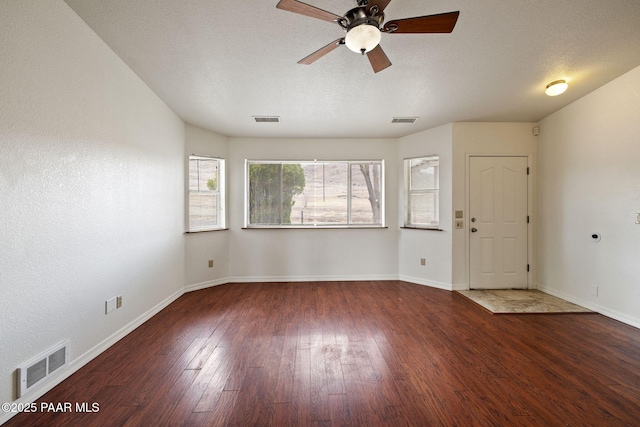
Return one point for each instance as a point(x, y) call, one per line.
point(556, 88)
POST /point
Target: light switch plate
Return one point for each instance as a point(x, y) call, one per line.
point(110, 305)
point(638, 218)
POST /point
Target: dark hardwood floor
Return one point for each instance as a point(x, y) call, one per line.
point(382, 353)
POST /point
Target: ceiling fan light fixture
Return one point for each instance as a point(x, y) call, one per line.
point(363, 38)
point(556, 88)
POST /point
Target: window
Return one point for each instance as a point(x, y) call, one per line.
point(422, 183)
point(206, 193)
point(314, 193)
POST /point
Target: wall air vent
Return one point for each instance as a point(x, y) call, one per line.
point(404, 120)
point(37, 369)
point(266, 119)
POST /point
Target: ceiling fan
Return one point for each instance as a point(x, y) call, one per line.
point(364, 27)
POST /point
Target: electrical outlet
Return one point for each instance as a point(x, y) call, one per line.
point(119, 301)
point(638, 218)
point(210, 263)
point(423, 261)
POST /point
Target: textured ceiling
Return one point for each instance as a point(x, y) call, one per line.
point(218, 63)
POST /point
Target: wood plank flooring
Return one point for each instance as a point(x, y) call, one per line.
point(384, 353)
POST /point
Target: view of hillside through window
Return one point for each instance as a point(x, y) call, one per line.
point(315, 193)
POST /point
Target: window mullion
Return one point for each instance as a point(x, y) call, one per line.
point(198, 169)
point(348, 194)
point(280, 195)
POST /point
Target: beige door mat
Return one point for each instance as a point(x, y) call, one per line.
point(521, 301)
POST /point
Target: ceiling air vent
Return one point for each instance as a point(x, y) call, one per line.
point(404, 119)
point(266, 119)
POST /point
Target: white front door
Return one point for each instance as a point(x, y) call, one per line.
point(498, 212)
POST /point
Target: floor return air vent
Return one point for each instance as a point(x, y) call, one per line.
point(37, 369)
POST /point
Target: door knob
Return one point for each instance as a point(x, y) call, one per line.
point(473, 230)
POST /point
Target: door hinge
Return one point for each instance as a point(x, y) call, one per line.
point(527, 267)
point(527, 219)
point(527, 170)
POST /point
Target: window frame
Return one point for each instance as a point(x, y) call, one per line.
point(349, 224)
point(408, 192)
point(219, 192)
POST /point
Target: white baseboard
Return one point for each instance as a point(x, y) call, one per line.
point(430, 283)
point(205, 285)
point(268, 279)
point(88, 356)
point(591, 306)
point(263, 279)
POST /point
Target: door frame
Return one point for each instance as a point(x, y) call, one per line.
point(530, 210)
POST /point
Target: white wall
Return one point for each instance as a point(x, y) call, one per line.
point(92, 180)
point(515, 139)
point(589, 181)
point(311, 254)
point(434, 246)
point(210, 245)
point(91, 189)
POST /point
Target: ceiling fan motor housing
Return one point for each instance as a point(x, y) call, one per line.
point(358, 16)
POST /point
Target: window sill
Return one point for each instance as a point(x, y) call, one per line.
point(317, 227)
point(205, 231)
point(422, 228)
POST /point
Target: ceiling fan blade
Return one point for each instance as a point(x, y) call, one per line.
point(307, 10)
point(378, 59)
point(441, 23)
point(382, 4)
point(321, 52)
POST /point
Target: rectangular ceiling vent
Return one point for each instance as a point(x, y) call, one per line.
point(266, 119)
point(404, 119)
point(39, 368)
